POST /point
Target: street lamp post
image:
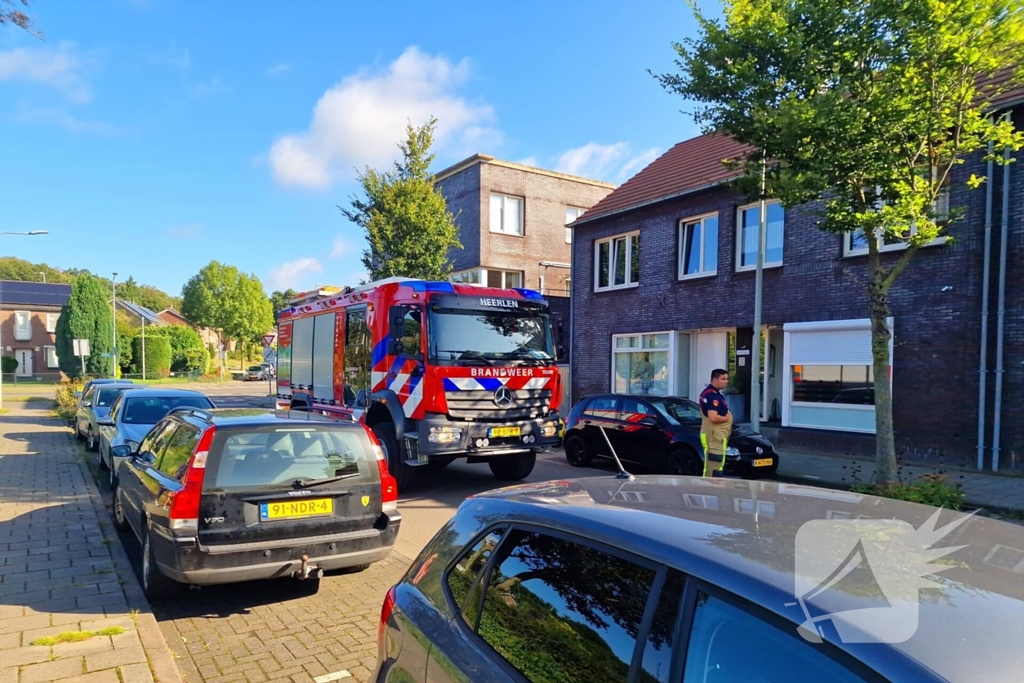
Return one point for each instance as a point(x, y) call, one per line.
point(755, 354)
point(113, 326)
point(30, 233)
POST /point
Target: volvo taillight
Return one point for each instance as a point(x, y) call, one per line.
point(385, 616)
point(388, 485)
point(184, 504)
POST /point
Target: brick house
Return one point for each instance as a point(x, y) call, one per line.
point(171, 317)
point(663, 292)
point(28, 322)
point(512, 222)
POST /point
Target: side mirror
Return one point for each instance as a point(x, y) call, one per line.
point(649, 422)
point(105, 423)
point(121, 451)
point(148, 458)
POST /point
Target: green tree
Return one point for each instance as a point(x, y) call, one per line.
point(279, 300)
point(408, 226)
point(24, 271)
point(232, 304)
point(127, 330)
point(85, 316)
point(862, 109)
point(253, 315)
point(129, 290)
point(188, 352)
point(157, 354)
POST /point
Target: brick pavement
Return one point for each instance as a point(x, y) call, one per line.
point(62, 569)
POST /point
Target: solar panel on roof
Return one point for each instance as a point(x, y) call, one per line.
point(34, 293)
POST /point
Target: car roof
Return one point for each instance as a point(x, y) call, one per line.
point(707, 528)
point(231, 417)
point(161, 393)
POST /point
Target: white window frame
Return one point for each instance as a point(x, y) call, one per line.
point(739, 236)
point(23, 332)
point(51, 322)
point(941, 210)
point(610, 241)
point(46, 355)
point(670, 350)
point(680, 229)
point(568, 223)
point(519, 229)
point(483, 276)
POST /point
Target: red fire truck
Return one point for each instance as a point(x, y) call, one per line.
point(437, 370)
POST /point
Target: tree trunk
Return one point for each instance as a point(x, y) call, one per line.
point(885, 440)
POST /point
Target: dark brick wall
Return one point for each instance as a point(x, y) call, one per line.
point(462, 193)
point(937, 333)
point(546, 196)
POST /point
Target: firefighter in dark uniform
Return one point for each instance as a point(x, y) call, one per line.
point(716, 420)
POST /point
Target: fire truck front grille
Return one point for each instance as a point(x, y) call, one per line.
point(479, 405)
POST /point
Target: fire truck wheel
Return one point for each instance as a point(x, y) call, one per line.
point(513, 467)
point(403, 474)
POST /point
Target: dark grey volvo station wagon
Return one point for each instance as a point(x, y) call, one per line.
point(682, 579)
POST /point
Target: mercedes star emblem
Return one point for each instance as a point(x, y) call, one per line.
point(504, 397)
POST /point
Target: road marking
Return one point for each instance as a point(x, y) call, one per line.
point(336, 676)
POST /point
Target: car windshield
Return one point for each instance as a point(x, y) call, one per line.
point(678, 411)
point(255, 368)
point(293, 456)
point(506, 335)
point(106, 397)
point(151, 409)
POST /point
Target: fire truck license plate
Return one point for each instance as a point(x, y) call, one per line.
point(763, 462)
point(296, 509)
point(496, 432)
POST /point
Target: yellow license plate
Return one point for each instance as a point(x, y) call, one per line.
point(296, 509)
point(495, 432)
point(763, 462)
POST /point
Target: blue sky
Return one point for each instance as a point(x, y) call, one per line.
point(151, 136)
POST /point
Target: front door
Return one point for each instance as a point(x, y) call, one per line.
point(24, 358)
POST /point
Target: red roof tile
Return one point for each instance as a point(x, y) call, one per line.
point(688, 166)
point(1010, 95)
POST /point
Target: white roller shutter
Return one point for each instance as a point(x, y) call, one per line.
point(839, 342)
point(302, 353)
point(323, 357)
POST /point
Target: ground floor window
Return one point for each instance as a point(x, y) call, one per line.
point(51, 356)
point(848, 384)
point(641, 364)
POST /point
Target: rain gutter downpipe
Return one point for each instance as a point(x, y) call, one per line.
point(986, 276)
point(1001, 313)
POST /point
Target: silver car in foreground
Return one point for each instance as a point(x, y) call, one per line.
point(134, 414)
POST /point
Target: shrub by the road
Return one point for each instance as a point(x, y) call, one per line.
point(8, 365)
point(930, 489)
point(67, 402)
point(157, 355)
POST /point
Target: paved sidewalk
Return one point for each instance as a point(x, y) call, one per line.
point(993, 491)
point(63, 570)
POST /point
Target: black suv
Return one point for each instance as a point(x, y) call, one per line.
point(219, 496)
point(661, 432)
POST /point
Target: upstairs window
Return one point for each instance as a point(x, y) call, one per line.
point(506, 214)
point(571, 214)
point(748, 230)
point(698, 246)
point(22, 325)
point(618, 262)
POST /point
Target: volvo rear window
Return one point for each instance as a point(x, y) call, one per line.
point(152, 409)
point(292, 456)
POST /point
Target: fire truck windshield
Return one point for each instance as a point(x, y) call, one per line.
point(486, 336)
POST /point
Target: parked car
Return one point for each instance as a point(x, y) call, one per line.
point(220, 496)
point(685, 579)
point(135, 413)
point(94, 407)
point(99, 380)
point(658, 432)
point(255, 372)
point(268, 369)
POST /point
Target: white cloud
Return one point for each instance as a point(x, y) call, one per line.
point(59, 117)
point(360, 121)
point(60, 68)
point(278, 69)
point(293, 274)
point(615, 162)
point(341, 247)
point(185, 232)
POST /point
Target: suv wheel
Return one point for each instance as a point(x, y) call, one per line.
point(513, 467)
point(576, 451)
point(404, 475)
point(155, 585)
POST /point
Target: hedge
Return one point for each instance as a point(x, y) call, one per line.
point(187, 349)
point(158, 356)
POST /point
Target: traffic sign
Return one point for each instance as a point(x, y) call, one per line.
point(268, 339)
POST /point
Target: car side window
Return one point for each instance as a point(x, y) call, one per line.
point(656, 661)
point(177, 452)
point(633, 410)
point(558, 610)
point(769, 654)
point(605, 407)
point(156, 439)
point(462, 577)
